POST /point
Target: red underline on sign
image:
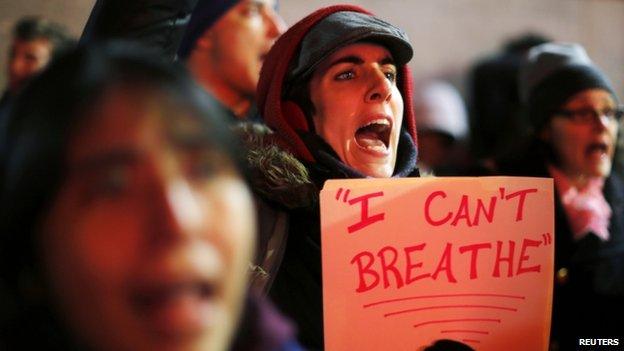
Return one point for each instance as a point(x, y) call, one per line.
point(442, 295)
point(458, 320)
point(471, 340)
point(465, 331)
point(450, 306)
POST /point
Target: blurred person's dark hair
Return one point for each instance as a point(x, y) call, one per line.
point(448, 345)
point(496, 119)
point(44, 117)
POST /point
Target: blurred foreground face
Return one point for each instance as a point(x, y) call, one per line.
point(583, 134)
point(359, 109)
point(148, 241)
point(240, 40)
point(26, 58)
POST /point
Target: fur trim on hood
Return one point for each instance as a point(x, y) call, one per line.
point(276, 174)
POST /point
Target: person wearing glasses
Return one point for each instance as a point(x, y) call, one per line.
point(575, 116)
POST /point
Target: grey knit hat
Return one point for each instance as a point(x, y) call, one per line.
point(553, 73)
point(344, 28)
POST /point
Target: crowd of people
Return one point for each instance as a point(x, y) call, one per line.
point(160, 176)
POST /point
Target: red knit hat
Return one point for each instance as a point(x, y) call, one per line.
point(286, 117)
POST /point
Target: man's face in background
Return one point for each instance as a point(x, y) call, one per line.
point(26, 58)
point(240, 40)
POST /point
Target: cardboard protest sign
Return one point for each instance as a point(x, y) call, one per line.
point(407, 262)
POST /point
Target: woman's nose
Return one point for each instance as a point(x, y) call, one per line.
point(380, 87)
point(179, 211)
point(275, 23)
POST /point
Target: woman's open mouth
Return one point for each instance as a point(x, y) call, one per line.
point(374, 136)
point(176, 309)
point(597, 149)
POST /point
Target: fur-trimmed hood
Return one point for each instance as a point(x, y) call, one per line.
point(276, 174)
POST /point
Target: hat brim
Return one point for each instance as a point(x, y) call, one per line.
point(344, 29)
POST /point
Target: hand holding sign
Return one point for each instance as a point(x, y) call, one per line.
point(418, 260)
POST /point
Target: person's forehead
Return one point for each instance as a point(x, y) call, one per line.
point(591, 96)
point(129, 117)
point(269, 3)
point(37, 44)
point(111, 122)
point(263, 3)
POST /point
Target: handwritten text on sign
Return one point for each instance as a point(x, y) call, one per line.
point(468, 259)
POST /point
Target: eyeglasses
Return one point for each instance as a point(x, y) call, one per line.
point(588, 115)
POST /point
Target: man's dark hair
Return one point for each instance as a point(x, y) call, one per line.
point(34, 28)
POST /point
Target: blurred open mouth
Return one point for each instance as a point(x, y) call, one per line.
point(598, 149)
point(374, 136)
point(176, 308)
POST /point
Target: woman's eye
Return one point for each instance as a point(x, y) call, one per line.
point(609, 112)
point(111, 184)
point(203, 169)
point(345, 75)
point(391, 76)
point(205, 165)
point(252, 9)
